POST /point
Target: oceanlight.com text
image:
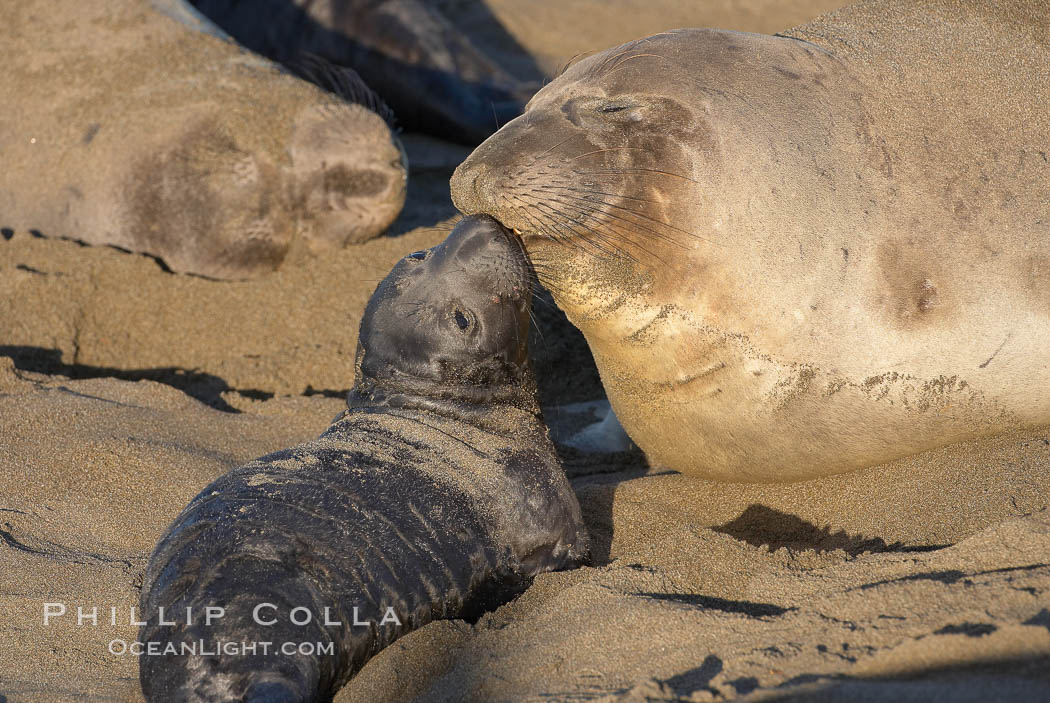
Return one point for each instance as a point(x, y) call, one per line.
point(202, 648)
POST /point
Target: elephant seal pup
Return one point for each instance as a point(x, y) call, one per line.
point(436, 493)
point(138, 131)
point(793, 256)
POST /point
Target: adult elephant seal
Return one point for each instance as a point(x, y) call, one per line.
point(436, 494)
point(153, 135)
point(798, 255)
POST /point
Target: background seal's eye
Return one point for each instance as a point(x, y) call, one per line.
point(612, 107)
point(464, 319)
point(418, 255)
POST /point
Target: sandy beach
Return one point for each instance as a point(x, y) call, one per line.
point(125, 389)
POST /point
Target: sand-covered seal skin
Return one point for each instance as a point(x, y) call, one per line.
point(438, 492)
point(140, 126)
point(797, 255)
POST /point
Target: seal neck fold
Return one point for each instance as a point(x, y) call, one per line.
point(504, 410)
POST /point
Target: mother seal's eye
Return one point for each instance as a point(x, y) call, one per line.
point(619, 111)
point(418, 255)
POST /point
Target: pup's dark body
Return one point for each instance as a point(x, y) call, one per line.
point(437, 492)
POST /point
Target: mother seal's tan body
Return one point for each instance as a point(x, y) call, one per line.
point(798, 255)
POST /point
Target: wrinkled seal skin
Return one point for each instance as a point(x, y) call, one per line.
point(794, 256)
point(435, 80)
point(138, 126)
point(437, 493)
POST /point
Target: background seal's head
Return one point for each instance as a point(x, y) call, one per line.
point(451, 321)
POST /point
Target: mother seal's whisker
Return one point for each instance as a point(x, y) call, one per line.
point(598, 245)
point(593, 205)
point(536, 221)
point(596, 214)
point(620, 171)
point(552, 148)
point(545, 226)
point(619, 64)
point(625, 49)
point(596, 205)
point(576, 189)
point(603, 151)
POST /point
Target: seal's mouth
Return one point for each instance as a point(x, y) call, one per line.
point(519, 230)
point(507, 223)
point(525, 238)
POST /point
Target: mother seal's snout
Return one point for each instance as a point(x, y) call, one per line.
point(471, 186)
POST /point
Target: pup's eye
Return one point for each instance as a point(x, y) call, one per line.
point(418, 255)
point(612, 107)
point(462, 319)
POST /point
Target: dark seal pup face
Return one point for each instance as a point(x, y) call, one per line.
point(452, 320)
